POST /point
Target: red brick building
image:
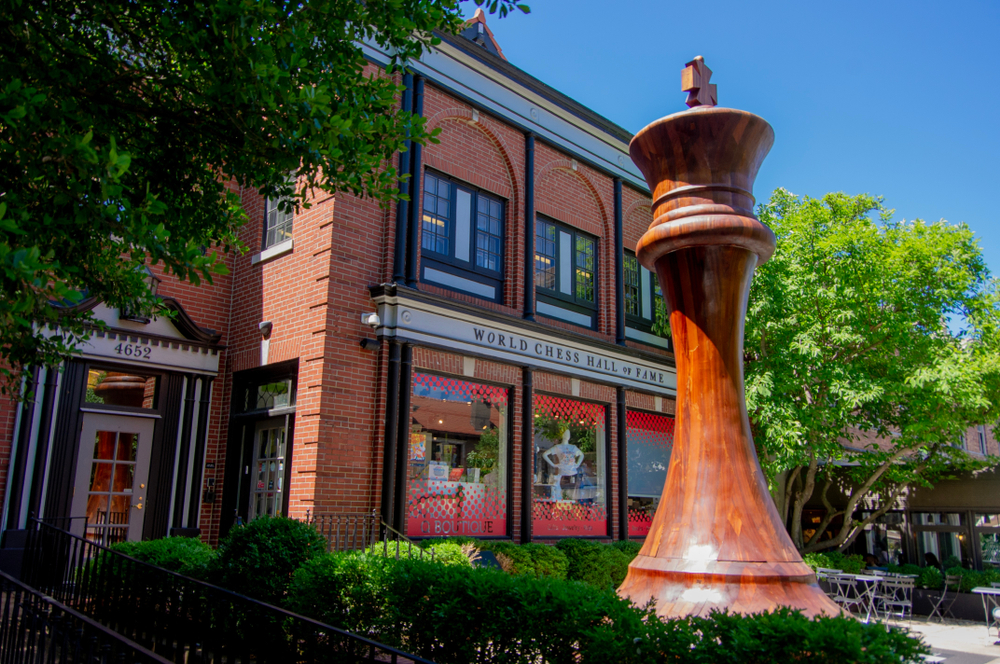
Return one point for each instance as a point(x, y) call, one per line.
point(479, 360)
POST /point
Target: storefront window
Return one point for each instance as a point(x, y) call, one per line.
point(989, 545)
point(949, 549)
point(570, 468)
point(649, 437)
point(943, 540)
point(457, 458)
point(883, 539)
point(988, 532)
point(988, 521)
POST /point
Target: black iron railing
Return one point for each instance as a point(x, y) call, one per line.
point(354, 532)
point(36, 628)
point(180, 618)
point(346, 532)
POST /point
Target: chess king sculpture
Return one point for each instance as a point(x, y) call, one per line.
point(716, 541)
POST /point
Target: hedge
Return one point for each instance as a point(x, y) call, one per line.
point(185, 555)
point(453, 614)
point(258, 559)
point(973, 579)
point(594, 563)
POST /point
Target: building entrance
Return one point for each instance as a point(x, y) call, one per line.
point(110, 490)
point(267, 478)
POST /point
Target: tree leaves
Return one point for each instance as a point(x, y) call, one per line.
point(870, 345)
point(122, 125)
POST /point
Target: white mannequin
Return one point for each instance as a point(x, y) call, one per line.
point(564, 459)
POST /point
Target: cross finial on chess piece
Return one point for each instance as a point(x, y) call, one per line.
point(694, 81)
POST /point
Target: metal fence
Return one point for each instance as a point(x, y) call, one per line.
point(182, 619)
point(347, 532)
point(355, 532)
point(36, 628)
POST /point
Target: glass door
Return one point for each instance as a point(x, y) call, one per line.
point(267, 478)
point(109, 496)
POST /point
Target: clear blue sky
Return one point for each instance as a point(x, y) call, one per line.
point(899, 99)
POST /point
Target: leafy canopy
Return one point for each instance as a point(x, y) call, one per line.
point(123, 125)
point(864, 329)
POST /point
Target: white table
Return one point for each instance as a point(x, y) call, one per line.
point(866, 586)
point(991, 599)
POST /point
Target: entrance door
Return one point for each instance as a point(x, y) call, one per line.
point(109, 497)
point(267, 477)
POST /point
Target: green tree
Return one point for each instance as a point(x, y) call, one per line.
point(122, 125)
point(870, 346)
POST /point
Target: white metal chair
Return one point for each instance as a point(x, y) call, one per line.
point(849, 594)
point(894, 597)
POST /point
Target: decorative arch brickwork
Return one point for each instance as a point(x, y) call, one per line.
point(485, 153)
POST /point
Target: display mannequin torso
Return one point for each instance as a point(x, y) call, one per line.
point(564, 459)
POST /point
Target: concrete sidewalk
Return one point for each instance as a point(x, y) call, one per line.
point(957, 641)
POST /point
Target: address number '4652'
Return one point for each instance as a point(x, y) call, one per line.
point(134, 350)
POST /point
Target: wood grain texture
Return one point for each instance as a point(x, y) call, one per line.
point(716, 541)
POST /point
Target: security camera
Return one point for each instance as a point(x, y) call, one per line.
point(371, 319)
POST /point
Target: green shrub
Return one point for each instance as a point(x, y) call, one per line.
point(951, 561)
point(458, 539)
point(454, 614)
point(258, 559)
point(908, 568)
point(849, 564)
point(450, 553)
point(185, 555)
point(788, 636)
point(596, 564)
point(973, 579)
point(519, 557)
point(930, 577)
point(341, 589)
point(547, 560)
point(816, 560)
point(440, 550)
point(628, 547)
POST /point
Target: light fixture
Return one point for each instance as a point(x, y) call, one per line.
point(440, 421)
point(369, 344)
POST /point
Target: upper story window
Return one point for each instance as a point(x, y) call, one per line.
point(643, 301)
point(565, 273)
point(981, 429)
point(278, 222)
point(461, 237)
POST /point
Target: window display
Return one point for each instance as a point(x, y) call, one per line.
point(649, 438)
point(457, 459)
point(570, 468)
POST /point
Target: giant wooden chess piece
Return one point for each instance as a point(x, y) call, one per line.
point(716, 541)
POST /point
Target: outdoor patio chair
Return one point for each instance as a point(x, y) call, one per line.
point(844, 590)
point(944, 602)
point(894, 597)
